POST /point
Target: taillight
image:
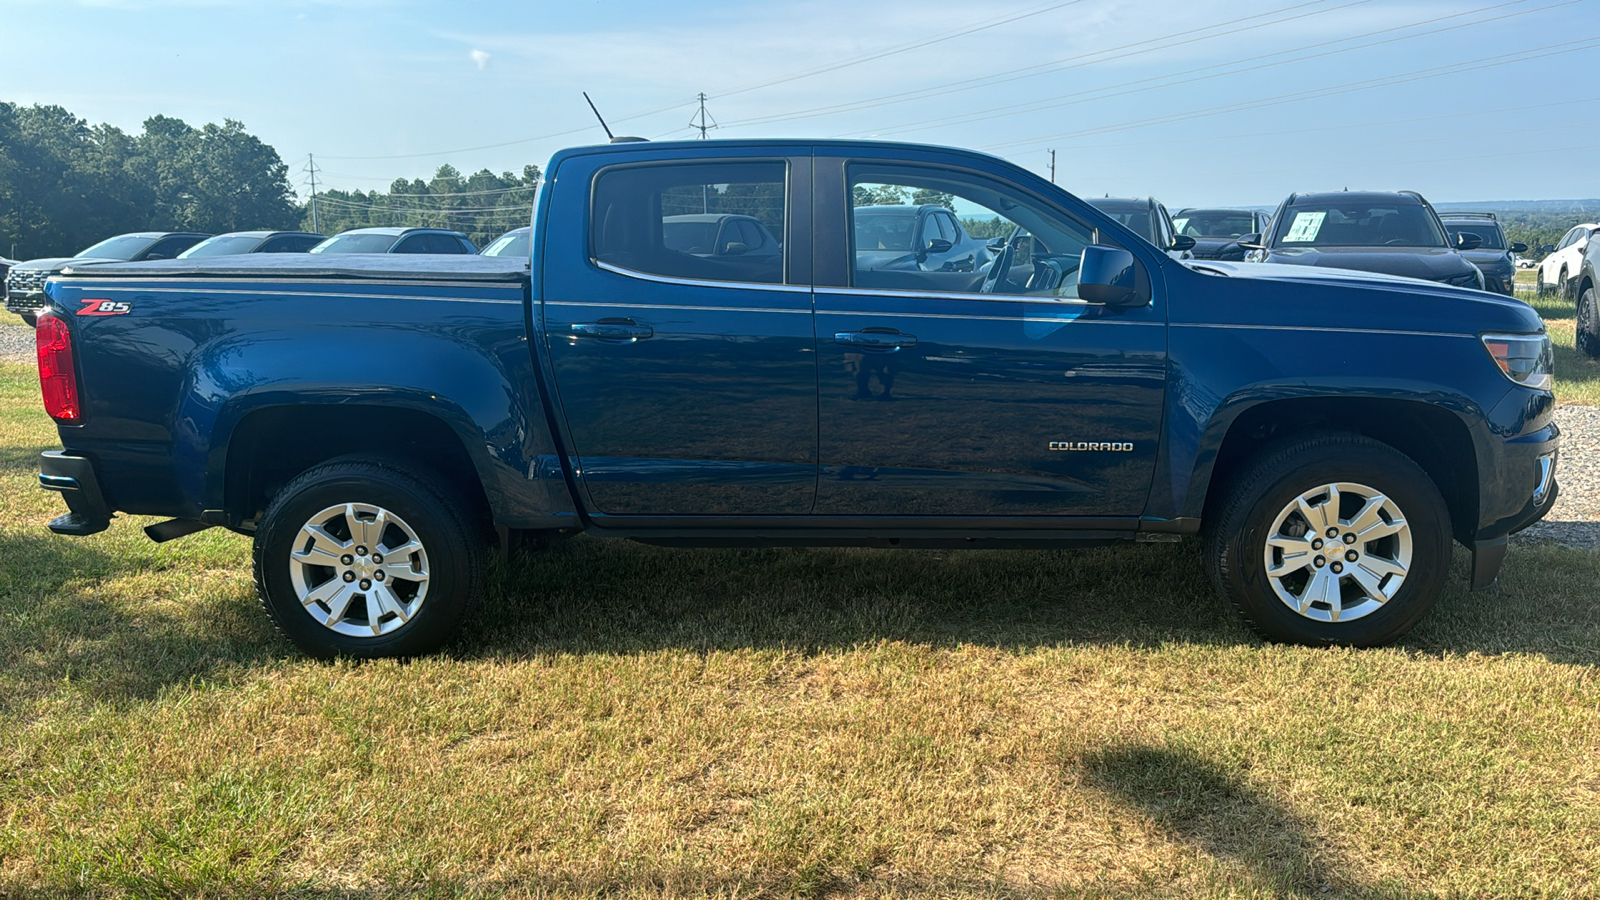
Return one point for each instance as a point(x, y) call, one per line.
point(58, 377)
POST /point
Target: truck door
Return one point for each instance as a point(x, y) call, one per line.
point(685, 364)
point(1002, 396)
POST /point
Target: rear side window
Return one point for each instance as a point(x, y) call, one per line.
point(674, 220)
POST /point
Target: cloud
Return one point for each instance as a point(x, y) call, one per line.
point(481, 57)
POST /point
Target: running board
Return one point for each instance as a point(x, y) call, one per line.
point(172, 529)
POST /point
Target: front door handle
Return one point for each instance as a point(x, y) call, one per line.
point(875, 340)
point(618, 330)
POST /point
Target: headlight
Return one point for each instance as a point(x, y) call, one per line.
point(1469, 279)
point(1526, 359)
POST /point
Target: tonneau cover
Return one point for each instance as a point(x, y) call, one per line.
point(376, 266)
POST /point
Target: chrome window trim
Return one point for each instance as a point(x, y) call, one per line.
point(952, 295)
point(1075, 317)
point(695, 282)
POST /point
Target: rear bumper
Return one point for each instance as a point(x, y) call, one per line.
point(74, 478)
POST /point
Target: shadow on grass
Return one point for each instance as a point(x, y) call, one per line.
point(62, 625)
point(1207, 806)
point(588, 595)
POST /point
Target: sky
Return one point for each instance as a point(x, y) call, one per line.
point(1199, 102)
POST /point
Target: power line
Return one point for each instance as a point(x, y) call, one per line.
point(1060, 101)
point(1487, 62)
point(1057, 65)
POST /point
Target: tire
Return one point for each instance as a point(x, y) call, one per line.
point(29, 319)
point(1563, 286)
point(1260, 503)
point(418, 599)
point(1588, 330)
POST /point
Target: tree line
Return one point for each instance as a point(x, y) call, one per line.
point(482, 206)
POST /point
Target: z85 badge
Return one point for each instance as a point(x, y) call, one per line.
point(104, 308)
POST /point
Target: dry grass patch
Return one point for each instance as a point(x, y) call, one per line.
point(632, 721)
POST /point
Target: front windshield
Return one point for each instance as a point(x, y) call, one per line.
point(885, 230)
point(356, 243)
point(1492, 240)
point(515, 243)
point(1359, 225)
point(1215, 224)
point(125, 246)
point(221, 245)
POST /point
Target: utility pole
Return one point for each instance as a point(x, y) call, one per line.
point(1052, 166)
point(706, 122)
point(311, 169)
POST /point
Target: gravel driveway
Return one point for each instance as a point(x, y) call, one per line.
point(1575, 521)
point(16, 342)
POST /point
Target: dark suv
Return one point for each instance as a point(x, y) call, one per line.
point(1216, 232)
point(1146, 217)
point(25, 282)
point(1394, 233)
point(1494, 256)
point(397, 240)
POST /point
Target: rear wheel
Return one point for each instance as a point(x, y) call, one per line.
point(1331, 539)
point(1589, 323)
point(367, 558)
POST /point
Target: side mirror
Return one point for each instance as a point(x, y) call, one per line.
point(996, 244)
point(734, 248)
point(1519, 247)
point(938, 245)
point(155, 256)
point(1466, 240)
point(1548, 248)
point(1182, 242)
point(1251, 242)
point(1105, 276)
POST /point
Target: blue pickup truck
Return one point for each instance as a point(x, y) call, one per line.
point(379, 424)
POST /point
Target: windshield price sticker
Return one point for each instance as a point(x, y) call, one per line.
point(1305, 227)
point(1179, 224)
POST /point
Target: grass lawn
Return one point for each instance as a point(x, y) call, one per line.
point(632, 721)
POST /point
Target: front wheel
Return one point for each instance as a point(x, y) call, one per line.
point(1588, 329)
point(367, 558)
point(1331, 539)
point(1563, 289)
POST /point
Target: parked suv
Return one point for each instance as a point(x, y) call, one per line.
point(1394, 233)
point(1564, 259)
point(237, 242)
point(927, 238)
point(1495, 257)
point(397, 240)
point(1216, 232)
point(1146, 217)
point(25, 282)
point(1588, 312)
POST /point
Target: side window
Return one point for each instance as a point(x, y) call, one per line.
point(412, 244)
point(1568, 239)
point(466, 245)
point(169, 248)
point(1168, 232)
point(669, 218)
point(276, 245)
point(1037, 253)
point(751, 234)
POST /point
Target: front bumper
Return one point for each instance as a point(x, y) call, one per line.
point(1524, 486)
point(74, 478)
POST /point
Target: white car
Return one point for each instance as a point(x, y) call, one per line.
point(1558, 268)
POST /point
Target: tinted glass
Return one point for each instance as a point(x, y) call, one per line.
point(1492, 239)
point(885, 229)
point(751, 232)
point(356, 243)
point(639, 212)
point(168, 248)
point(1136, 219)
point(1046, 245)
point(1358, 225)
point(221, 245)
point(1215, 225)
point(517, 243)
point(122, 247)
point(417, 243)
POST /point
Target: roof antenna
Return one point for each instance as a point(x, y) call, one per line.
point(613, 138)
point(609, 135)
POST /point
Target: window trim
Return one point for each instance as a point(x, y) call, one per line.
point(790, 213)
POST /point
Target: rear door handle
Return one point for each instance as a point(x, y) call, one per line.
point(875, 340)
point(619, 330)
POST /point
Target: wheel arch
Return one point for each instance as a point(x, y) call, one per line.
point(1432, 436)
